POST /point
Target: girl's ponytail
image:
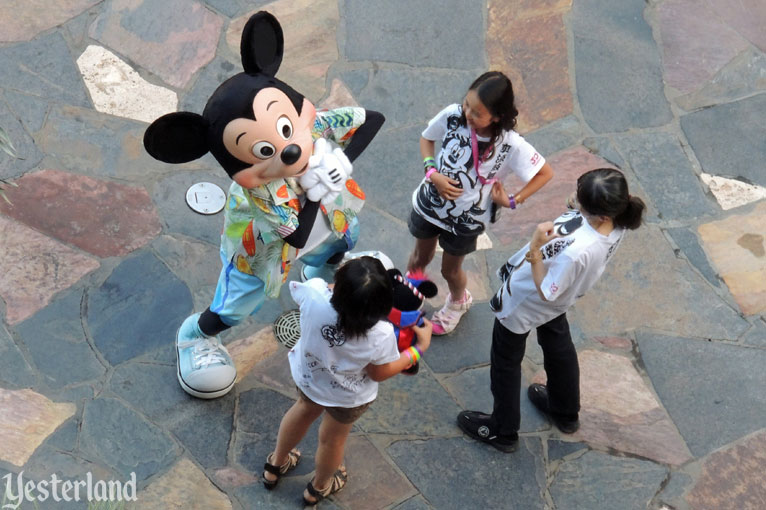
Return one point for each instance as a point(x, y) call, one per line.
point(632, 216)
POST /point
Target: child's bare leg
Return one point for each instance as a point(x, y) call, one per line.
point(452, 271)
point(329, 456)
point(293, 427)
point(422, 255)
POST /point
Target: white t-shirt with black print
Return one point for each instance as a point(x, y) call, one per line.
point(327, 367)
point(574, 261)
point(470, 212)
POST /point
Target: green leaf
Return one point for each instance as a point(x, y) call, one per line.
point(6, 144)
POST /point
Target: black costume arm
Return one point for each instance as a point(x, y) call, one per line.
point(306, 219)
point(364, 134)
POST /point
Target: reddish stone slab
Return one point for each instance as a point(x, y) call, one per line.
point(614, 342)
point(738, 249)
point(27, 420)
point(103, 218)
point(748, 17)
point(373, 481)
point(528, 42)
point(309, 52)
point(733, 477)
point(33, 268)
point(171, 38)
point(22, 20)
point(618, 410)
point(695, 42)
point(548, 203)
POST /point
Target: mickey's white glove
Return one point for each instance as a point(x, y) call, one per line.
point(328, 172)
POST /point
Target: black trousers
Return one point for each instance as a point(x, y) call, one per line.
point(561, 367)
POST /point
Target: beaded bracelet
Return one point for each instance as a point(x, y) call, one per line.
point(512, 200)
point(415, 353)
point(407, 352)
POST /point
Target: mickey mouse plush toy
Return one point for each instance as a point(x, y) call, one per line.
point(410, 292)
point(266, 136)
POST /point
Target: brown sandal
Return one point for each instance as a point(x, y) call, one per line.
point(337, 482)
point(293, 457)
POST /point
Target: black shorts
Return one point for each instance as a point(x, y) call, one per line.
point(454, 244)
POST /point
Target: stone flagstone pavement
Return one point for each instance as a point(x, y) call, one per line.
point(100, 258)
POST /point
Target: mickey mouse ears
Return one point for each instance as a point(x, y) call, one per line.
point(262, 44)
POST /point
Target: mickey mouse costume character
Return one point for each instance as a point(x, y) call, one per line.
point(410, 292)
point(265, 135)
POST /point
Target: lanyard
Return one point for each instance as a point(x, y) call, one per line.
point(477, 160)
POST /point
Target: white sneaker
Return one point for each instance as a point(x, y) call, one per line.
point(446, 320)
point(205, 368)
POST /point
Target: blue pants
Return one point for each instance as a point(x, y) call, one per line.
point(239, 294)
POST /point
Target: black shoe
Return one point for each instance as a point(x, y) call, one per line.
point(476, 425)
point(538, 395)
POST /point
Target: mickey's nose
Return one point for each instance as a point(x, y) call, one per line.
point(290, 154)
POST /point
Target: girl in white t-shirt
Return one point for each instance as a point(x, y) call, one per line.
point(540, 283)
point(462, 186)
point(346, 347)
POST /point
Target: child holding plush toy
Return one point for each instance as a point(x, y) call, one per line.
point(452, 205)
point(266, 136)
point(346, 347)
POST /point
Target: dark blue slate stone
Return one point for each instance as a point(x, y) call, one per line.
point(379, 231)
point(384, 93)
point(259, 414)
point(598, 481)
point(123, 440)
point(559, 449)
point(208, 79)
point(672, 494)
point(356, 80)
point(29, 109)
point(471, 390)
point(388, 177)
point(469, 345)
point(689, 244)
point(170, 197)
point(142, 21)
point(56, 341)
point(287, 495)
point(416, 405)
point(618, 69)
point(28, 156)
point(152, 389)
point(204, 427)
point(728, 138)
point(556, 136)
point(455, 473)
point(756, 336)
point(43, 67)
point(726, 400)
point(232, 8)
point(15, 372)
point(667, 175)
point(93, 143)
point(415, 503)
point(603, 147)
point(65, 437)
point(137, 309)
point(389, 31)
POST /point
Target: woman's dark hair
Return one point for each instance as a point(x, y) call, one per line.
point(604, 192)
point(496, 93)
point(362, 296)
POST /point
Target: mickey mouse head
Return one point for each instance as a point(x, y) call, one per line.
point(256, 126)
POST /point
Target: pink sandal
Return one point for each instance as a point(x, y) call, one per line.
point(446, 320)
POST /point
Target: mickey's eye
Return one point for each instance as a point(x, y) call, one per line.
point(285, 127)
point(263, 150)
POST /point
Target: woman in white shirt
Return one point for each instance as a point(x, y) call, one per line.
point(540, 283)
